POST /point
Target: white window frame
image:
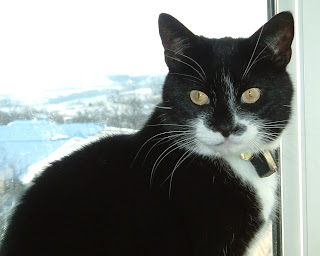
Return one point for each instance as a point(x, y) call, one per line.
point(293, 184)
point(300, 161)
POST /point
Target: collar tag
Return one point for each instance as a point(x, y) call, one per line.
point(246, 156)
point(271, 163)
point(264, 163)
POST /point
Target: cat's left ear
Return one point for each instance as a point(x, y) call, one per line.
point(273, 40)
point(176, 38)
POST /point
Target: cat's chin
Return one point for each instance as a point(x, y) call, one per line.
point(231, 148)
point(212, 143)
point(225, 148)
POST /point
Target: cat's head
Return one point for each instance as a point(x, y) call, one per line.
point(227, 96)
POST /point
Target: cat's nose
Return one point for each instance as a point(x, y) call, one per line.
point(227, 130)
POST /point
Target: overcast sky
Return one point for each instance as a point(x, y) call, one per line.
point(64, 44)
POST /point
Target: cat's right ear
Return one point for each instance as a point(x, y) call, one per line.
point(176, 38)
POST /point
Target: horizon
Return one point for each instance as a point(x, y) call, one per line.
point(72, 44)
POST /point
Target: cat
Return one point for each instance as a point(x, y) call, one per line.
point(186, 183)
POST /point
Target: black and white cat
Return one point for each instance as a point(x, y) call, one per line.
point(179, 186)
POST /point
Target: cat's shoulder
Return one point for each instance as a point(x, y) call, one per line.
point(98, 162)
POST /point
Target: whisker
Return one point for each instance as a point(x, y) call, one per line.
point(189, 59)
point(180, 161)
point(186, 65)
point(202, 84)
point(257, 146)
point(163, 140)
point(255, 62)
point(158, 161)
point(269, 128)
point(269, 132)
point(163, 107)
point(261, 53)
point(178, 125)
point(254, 51)
point(268, 137)
point(179, 74)
point(159, 134)
point(276, 122)
point(165, 153)
point(275, 125)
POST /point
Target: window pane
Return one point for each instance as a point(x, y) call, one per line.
point(73, 71)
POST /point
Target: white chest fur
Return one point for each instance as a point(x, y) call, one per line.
point(265, 188)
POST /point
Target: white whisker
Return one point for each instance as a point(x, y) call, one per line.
point(178, 125)
point(256, 146)
point(260, 54)
point(276, 122)
point(180, 161)
point(163, 107)
point(159, 134)
point(189, 59)
point(254, 51)
point(187, 65)
point(164, 140)
point(166, 153)
point(269, 127)
point(202, 84)
point(179, 74)
point(255, 62)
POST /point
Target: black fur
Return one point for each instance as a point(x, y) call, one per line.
point(99, 200)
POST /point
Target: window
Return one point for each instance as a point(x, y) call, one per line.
point(71, 71)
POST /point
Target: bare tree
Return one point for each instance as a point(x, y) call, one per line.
point(11, 189)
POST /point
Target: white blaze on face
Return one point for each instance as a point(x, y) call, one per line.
point(213, 143)
point(230, 92)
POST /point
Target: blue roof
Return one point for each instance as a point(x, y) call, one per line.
point(25, 142)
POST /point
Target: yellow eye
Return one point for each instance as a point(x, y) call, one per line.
point(199, 98)
point(251, 95)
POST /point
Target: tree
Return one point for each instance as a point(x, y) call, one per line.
point(11, 189)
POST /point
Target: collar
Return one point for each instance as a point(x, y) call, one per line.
point(263, 162)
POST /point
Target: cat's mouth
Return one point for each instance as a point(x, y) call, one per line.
point(210, 142)
point(225, 143)
point(227, 146)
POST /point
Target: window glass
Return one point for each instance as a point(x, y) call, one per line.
point(71, 71)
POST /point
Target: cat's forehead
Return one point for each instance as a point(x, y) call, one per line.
point(224, 58)
point(223, 83)
point(226, 46)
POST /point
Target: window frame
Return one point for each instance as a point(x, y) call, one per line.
point(293, 213)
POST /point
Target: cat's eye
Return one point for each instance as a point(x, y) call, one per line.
point(251, 95)
point(199, 98)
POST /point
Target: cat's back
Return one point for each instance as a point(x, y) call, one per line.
point(100, 165)
point(85, 203)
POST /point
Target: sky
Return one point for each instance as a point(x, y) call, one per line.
point(45, 45)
